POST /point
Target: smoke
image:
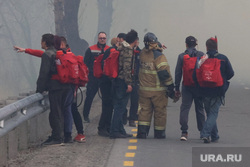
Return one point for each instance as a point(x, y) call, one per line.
point(172, 21)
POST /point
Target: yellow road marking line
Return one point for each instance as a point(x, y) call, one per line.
point(128, 163)
point(130, 155)
point(133, 141)
point(132, 147)
point(134, 134)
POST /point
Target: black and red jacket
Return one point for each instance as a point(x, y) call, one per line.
point(91, 53)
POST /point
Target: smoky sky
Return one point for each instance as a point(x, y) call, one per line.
point(171, 20)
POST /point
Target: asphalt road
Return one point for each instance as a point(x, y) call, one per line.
point(233, 125)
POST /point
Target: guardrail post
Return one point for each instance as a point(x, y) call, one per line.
point(1, 123)
point(12, 144)
point(3, 151)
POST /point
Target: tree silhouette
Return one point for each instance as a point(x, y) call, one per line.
point(66, 24)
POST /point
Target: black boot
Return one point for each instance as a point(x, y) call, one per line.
point(159, 134)
point(142, 131)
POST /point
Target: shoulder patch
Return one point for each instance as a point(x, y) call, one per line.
point(157, 54)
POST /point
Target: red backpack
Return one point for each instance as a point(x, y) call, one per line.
point(111, 65)
point(188, 70)
point(209, 74)
point(97, 67)
point(70, 69)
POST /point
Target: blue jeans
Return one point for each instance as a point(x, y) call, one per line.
point(120, 102)
point(212, 106)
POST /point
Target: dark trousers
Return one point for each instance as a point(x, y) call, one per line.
point(188, 96)
point(134, 102)
point(59, 104)
point(120, 99)
point(107, 104)
point(92, 88)
point(68, 118)
point(77, 118)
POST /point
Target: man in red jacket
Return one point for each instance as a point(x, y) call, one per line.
point(93, 85)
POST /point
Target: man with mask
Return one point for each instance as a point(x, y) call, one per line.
point(93, 84)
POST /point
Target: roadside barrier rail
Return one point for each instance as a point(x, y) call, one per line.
point(12, 115)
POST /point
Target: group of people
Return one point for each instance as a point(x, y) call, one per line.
point(207, 100)
point(144, 77)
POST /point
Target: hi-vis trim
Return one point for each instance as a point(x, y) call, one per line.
point(148, 71)
point(153, 89)
point(96, 51)
point(159, 128)
point(170, 82)
point(162, 64)
point(143, 123)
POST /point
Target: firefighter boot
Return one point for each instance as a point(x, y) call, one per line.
point(142, 131)
point(159, 134)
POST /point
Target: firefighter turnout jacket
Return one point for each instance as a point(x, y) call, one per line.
point(154, 80)
point(154, 73)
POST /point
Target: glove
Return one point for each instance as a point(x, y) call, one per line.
point(170, 91)
point(172, 94)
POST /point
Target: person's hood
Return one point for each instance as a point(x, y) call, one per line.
point(191, 51)
point(211, 53)
point(124, 45)
point(154, 46)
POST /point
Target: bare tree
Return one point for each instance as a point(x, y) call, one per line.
point(66, 23)
point(22, 22)
point(105, 8)
point(59, 16)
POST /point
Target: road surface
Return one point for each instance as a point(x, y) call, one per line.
point(233, 125)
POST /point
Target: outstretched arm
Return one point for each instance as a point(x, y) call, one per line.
point(33, 52)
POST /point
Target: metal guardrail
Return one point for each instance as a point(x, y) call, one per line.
point(20, 111)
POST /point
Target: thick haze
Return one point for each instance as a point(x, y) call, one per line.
point(171, 20)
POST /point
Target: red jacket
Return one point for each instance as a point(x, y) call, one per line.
point(91, 53)
point(38, 53)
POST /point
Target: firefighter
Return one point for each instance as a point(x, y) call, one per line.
point(156, 85)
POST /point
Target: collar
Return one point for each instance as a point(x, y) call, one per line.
point(212, 53)
point(101, 46)
point(191, 51)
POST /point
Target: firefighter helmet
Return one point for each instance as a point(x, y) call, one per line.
point(150, 37)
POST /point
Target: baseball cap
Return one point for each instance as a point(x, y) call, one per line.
point(191, 41)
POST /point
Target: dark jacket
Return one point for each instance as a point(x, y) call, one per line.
point(227, 73)
point(192, 52)
point(44, 81)
point(91, 53)
point(136, 65)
